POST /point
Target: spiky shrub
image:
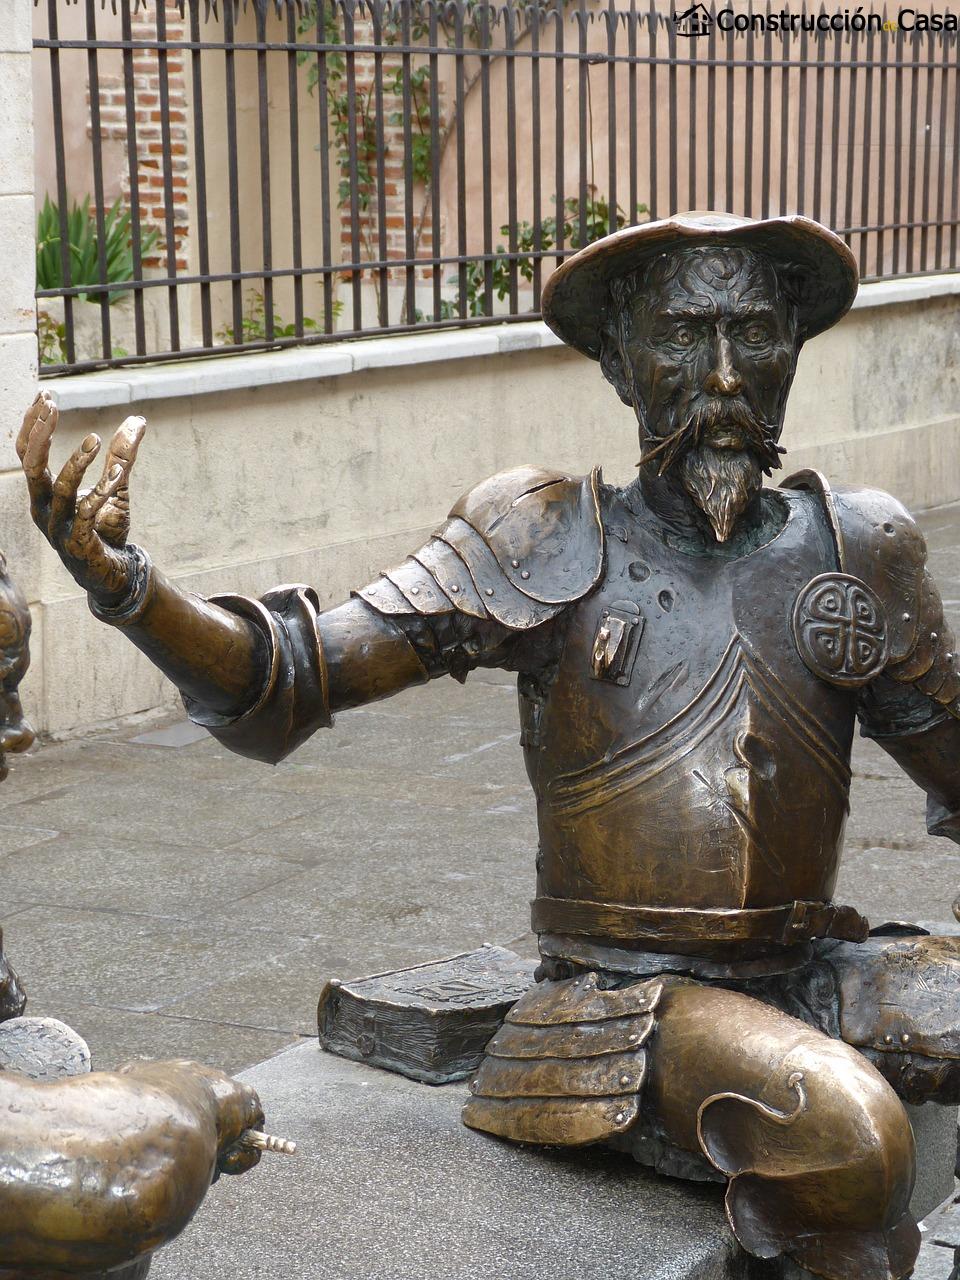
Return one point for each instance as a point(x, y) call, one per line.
point(83, 246)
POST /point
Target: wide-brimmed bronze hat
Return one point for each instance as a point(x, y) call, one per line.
point(823, 271)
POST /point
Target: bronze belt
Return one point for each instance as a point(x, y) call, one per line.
point(791, 922)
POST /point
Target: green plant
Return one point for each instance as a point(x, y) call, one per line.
point(597, 223)
point(254, 323)
point(52, 339)
point(84, 248)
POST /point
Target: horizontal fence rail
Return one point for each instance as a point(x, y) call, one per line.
point(225, 176)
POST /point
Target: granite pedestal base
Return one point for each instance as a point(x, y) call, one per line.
point(389, 1185)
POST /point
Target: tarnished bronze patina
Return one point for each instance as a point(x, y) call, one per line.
point(693, 653)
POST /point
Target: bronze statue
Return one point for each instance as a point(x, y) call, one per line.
point(692, 651)
point(100, 1169)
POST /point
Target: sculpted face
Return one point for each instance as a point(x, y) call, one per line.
point(15, 733)
point(707, 351)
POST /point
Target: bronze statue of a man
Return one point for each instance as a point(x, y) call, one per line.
point(692, 653)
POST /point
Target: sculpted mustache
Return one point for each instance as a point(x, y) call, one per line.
point(704, 416)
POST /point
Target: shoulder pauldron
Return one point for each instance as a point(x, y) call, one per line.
point(517, 548)
point(881, 612)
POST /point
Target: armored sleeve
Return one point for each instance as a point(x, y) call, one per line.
point(513, 554)
point(909, 699)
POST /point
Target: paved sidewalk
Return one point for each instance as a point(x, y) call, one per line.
point(167, 898)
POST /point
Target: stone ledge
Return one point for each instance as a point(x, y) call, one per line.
point(303, 364)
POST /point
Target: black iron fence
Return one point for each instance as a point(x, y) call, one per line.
point(239, 176)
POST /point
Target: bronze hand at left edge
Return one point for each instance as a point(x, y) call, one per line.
point(156, 1133)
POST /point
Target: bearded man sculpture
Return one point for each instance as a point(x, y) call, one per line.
point(692, 653)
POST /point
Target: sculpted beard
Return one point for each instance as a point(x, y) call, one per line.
point(721, 478)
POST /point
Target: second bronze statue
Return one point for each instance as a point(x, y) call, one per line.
point(693, 651)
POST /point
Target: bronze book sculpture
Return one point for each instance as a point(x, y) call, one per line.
point(693, 652)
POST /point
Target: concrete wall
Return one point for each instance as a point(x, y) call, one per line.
point(326, 480)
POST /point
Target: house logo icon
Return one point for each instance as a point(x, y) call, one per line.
point(695, 21)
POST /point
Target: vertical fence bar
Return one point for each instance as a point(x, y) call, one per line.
point(767, 128)
point(884, 72)
point(585, 137)
point(730, 81)
point(296, 235)
point(672, 107)
point(852, 135)
point(835, 132)
point(820, 44)
point(460, 95)
point(632, 109)
point(692, 133)
point(410, 242)
point(96, 142)
point(865, 218)
point(653, 19)
point(56, 91)
point(353, 165)
point(326, 24)
point(912, 176)
point(942, 166)
point(170, 232)
point(712, 109)
point(486, 152)
point(613, 20)
point(536, 162)
point(558, 136)
point(383, 249)
point(748, 127)
point(435, 246)
point(510, 75)
point(233, 172)
point(931, 42)
point(955, 158)
point(801, 203)
point(897, 150)
point(199, 174)
point(786, 46)
point(133, 169)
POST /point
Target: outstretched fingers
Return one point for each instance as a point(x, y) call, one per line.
point(33, 449)
point(82, 533)
point(64, 501)
point(113, 519)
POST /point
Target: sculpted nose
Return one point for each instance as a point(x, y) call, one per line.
point(723, 379)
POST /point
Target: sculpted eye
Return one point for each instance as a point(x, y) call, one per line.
point(684, 336)
point(756, 333)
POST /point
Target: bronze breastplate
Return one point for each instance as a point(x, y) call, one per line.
point(705, 767)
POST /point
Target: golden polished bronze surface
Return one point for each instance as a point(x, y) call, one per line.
point(97, 1170)
point(693, 651)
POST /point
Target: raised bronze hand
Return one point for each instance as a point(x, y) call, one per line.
point(87, 531)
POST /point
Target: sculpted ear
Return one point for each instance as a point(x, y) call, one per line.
point(612, 363)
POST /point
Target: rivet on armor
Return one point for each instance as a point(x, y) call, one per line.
point(904, 1039)
point(888, 1039)
point(515, 563)
point(619, 1118)
point(414, 591)
point(525, 574)
point(906, 617)
point(633, 1037)
point(489, 591)
point(933, 636)
point(624, 1080)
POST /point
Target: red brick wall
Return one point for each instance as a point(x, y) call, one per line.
point(113, 123)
